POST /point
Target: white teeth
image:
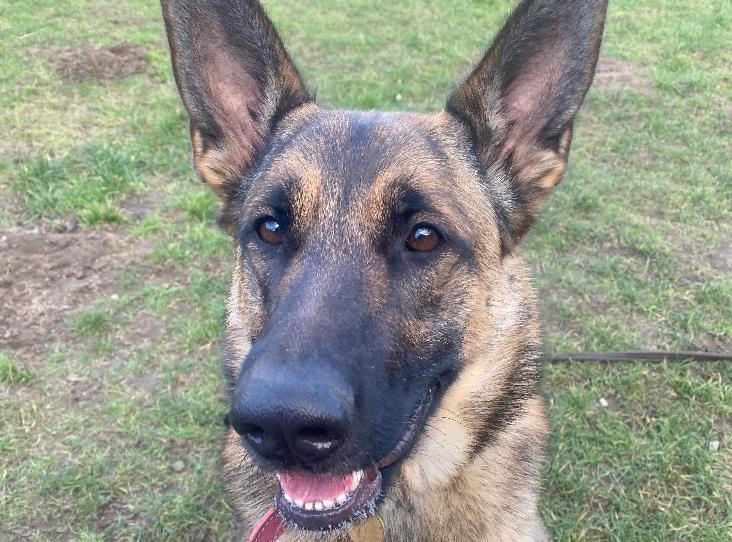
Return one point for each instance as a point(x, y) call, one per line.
point(328, 504)
point(318, 505)
point(357, 475)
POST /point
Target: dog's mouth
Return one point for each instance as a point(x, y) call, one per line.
point(324, 502)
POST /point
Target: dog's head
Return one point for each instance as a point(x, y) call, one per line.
point(373, 279)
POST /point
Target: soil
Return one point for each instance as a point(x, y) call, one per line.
point(46, 276)
point(141, 206)
point(145, 329)
point(721, 257)
point(98, 63)
point(613, 73)
point(141, 385)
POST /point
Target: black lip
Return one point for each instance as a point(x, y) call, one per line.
point(409, 438)
point(371, 489)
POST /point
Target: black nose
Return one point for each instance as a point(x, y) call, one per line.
point(293, 416)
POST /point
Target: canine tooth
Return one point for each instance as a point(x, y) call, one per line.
point(356, 479)
point(328, 504)
point(288, 498)
point(299, 503)
point(308, 506)
point(318, 506)
point(341, 499)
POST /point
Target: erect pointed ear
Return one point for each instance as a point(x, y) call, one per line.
point(521, 100)
point(236, 81)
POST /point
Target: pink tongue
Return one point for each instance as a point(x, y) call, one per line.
point(310, 488)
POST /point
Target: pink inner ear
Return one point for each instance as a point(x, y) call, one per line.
point(529, 101)
point(235, 100)
point(236, 97)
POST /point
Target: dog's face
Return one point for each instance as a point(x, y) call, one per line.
point(360, 291)
point(371, 275)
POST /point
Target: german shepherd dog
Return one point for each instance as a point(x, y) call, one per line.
point(382, 346)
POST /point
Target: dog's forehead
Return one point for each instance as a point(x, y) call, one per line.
point(362, 138)
point(348, 156)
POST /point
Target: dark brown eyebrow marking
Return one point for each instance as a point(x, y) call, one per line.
point(395, 199)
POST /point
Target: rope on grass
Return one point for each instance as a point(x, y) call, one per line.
point(657, 356)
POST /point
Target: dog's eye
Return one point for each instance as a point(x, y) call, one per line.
point(423, 238)
point(270, 231)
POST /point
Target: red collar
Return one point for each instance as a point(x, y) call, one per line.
point(269, 528)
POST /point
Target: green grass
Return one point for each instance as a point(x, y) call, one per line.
point(628, 254)
point(88, 184)
point(90, 323)
point(13, 373)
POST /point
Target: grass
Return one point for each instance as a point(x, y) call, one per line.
point(13, 373)
point(88, 184)
point(629, 253)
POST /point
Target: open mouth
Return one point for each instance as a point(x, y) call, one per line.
point(323, 501)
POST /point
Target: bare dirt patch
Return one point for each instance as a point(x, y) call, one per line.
point(720, 258)
point(145, 329)
point(614, 73)
point(45, 276)
point(141, 206)
point(141, 385)
point(97, 63)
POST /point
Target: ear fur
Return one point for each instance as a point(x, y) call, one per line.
point(521, 100)
point(236, 81)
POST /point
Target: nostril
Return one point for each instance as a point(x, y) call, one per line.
point(254, 434)
point(316, 441)
point(316, 437)
point(263, 442)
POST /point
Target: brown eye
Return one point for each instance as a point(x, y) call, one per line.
point(423, 239)
point(270, 231)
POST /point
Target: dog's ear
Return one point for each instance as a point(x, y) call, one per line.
point(236, 81)
point(521, 100)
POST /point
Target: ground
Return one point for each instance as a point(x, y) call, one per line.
point(113, 274)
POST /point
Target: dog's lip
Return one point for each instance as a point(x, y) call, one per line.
point(409, 436)
point(361, 500)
